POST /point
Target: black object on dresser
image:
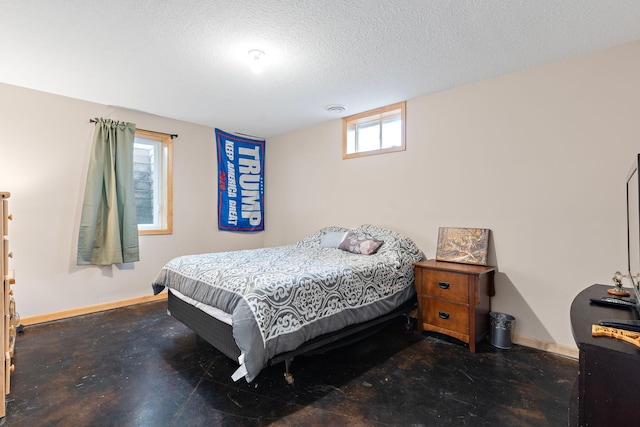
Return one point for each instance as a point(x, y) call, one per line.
point(608, 382)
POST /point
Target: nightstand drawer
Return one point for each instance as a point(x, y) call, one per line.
point(443, 314)
point(446, 285)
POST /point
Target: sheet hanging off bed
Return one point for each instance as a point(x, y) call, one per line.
point(283, 296)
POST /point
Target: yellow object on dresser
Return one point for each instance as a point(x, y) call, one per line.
point(7, 308)
point(454, 299)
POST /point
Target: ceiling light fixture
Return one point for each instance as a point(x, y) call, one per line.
point(335, 108)
point(256, 60)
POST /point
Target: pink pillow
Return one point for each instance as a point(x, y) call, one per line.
point(359, 243)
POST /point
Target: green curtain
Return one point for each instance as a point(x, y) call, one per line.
point(109, 226)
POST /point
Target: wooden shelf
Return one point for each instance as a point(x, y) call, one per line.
point(7, 308)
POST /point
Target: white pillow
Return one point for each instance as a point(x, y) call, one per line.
point(332, 239)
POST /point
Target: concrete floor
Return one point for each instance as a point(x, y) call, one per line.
point(137, 366)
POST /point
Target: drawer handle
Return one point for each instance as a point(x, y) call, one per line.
point(443, 315)
point(443, 285)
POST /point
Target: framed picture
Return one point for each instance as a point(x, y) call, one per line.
point(463, 245)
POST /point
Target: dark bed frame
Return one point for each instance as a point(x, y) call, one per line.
point(220, 334)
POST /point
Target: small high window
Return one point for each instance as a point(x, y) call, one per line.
point(374, 132)
point(152, 174)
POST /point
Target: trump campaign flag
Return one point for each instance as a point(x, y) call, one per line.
point(240, 182)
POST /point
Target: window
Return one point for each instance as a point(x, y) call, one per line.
point(374, 132)
point(152, 175)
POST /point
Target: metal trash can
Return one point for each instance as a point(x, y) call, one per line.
point(501, 329)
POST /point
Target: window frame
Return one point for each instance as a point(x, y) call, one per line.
point(166, 201)
point(349, 124)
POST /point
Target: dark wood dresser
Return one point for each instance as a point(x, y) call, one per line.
point(454, 299)
point(608, 383)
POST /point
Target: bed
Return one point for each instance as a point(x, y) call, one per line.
point(262, 306)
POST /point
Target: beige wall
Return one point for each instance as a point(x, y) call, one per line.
point(540, 157)
point(44, 152)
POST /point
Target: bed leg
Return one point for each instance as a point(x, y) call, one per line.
point(288, 377)
point(408, 326)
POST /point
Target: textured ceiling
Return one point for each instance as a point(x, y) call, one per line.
point(187, 59)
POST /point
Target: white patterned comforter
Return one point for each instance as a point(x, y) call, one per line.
point(283, 296)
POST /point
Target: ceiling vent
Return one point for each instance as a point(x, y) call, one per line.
point(335, 108)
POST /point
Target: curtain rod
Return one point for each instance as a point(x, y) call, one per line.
point(172, 135)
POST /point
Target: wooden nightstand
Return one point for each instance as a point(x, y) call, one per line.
point(454, 299)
